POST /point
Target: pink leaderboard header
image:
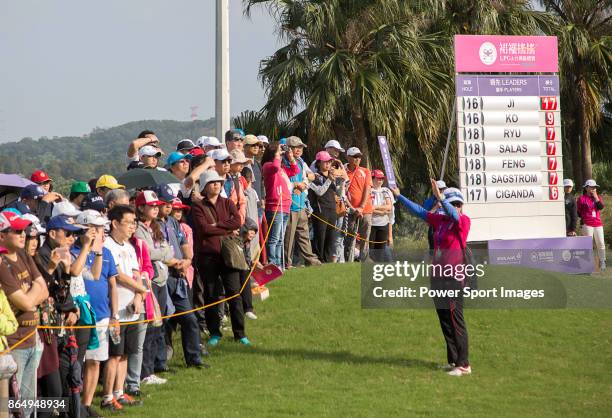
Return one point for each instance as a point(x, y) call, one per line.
point(501, 53)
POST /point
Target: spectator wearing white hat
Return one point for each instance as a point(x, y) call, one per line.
point(451, 230)
point(213, 218)
point(571, 214)
point(265, 141)
point(231, 189)
point(333, 148)
point(149, 156)
point(589, 207)
point(209, 143)
point(145, 138)
point(360, 204)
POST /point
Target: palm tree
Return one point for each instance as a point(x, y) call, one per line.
point(357, 69)
point(584, 29)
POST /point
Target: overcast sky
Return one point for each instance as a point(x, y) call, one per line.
point(71, 65)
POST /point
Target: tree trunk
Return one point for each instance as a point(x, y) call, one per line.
point(585, 133)
point(361, 137)
point(571, 140)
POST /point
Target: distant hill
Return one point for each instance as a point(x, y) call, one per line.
point(67, 159)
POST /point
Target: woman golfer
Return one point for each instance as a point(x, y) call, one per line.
point(450, 235)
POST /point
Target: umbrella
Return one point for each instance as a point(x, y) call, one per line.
point(10, 184)
point(141, 178)
point(13, 180)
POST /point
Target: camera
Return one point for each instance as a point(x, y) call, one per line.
point(284, 147)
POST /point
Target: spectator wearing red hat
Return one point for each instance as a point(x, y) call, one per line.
point(26, 289)
point(382, 205)
point(178, 213)
point(160, 253)
point(8, 326)
point(42, 179)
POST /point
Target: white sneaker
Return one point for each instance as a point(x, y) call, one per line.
point(154, 380)
point(250, 315)
point(460, 371)
point(602, 266)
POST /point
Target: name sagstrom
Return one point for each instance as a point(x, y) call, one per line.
point(514, 178)
point(515, 194)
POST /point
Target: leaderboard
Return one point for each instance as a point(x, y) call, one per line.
point(509, 138)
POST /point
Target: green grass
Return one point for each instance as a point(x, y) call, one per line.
point(317, 353)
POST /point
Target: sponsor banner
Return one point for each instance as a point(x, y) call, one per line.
point(503, 53)
point(386, 157)
point(566, 254)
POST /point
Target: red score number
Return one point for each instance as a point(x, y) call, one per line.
point(548, 103)
point(553, 178)
point(552, 163)
point(550, 134)
point(554, 193)
point(551, 148)
point(550, 118)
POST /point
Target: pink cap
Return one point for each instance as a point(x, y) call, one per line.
point(378, 174)
point(323, 156)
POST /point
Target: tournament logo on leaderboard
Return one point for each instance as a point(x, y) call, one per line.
point(487, 53)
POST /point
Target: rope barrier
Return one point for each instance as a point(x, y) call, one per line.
point(210, 305)
point(144, 321)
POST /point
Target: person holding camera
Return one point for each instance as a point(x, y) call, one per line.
point(278, 187)
point(589, 208)
point(298, 233)
point(323, 192)
point(54, 261)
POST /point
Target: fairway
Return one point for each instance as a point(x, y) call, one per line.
point(317, 353)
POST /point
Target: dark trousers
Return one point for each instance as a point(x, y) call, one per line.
point(380, 236)
point(218, 276)
point(452, 322)
point(190, 330)
point(246, 295)
point(197, 297)
point(154, 348)
point(324, 236)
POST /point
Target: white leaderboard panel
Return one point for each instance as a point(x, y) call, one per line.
point(510, 156)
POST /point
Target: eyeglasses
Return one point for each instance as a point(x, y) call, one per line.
point(357, 157)
point(17, 231)
point(226, 162)
point(133, 223)
point(255, 145)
